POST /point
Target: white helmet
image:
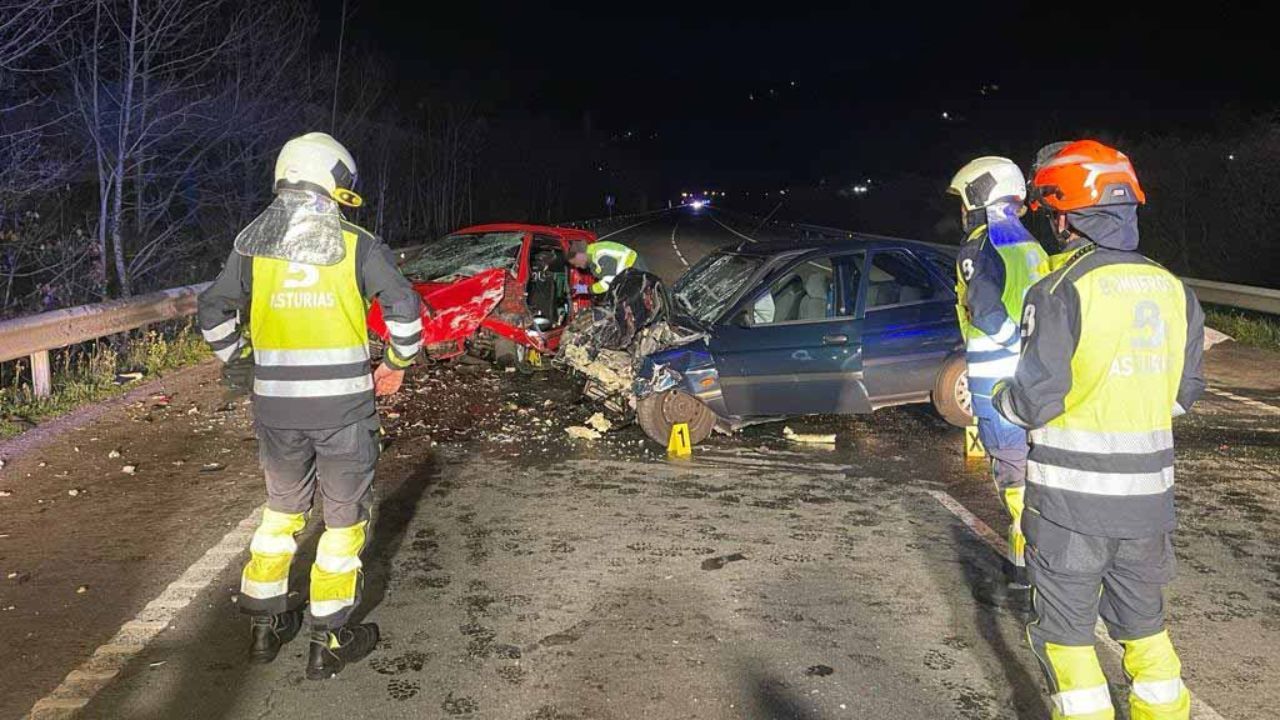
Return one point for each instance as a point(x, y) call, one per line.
point(317, 162)
point(987, 181)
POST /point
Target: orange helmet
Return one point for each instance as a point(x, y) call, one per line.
point(1083, 173)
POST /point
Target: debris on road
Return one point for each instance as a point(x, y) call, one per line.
point(82, 589)
point(600, 423)
point(113, 454)
point(809, 438)
point(582, 432)
point(5, 493)
point(129, 469)
point(1213, 337)
point(74, 492)
point(126, 378)
point(716, 563)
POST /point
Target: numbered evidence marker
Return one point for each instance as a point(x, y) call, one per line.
point(679, 446)
point(972, 443)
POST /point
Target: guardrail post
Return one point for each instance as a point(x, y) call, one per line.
point(41, 378)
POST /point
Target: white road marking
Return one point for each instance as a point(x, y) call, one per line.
point(81, 684)
point(615, 232)
point(735, 232)
point(1200, 710)
point(1258, 404)
point(676, 247)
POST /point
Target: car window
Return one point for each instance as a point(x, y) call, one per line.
point(896, 278)
point(804, 293)
point(945, 266)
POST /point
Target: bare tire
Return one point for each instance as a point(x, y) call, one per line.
point(951, 396)
point(659, 412)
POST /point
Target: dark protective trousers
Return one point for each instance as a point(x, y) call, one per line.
point(339, 465)
point(1076, 578)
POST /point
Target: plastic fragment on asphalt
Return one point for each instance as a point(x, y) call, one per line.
point(582, 433)
point(811, 438)
point(600, 422)
point(129, 469)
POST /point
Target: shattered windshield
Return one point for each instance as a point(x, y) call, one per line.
point(458, 256)
point(707, 289)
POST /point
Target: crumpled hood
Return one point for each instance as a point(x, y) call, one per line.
point(298, 226)
point(1110, 226)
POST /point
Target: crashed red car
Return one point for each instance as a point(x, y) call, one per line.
point(499, 290)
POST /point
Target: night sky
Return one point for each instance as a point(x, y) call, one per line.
point(711, 95)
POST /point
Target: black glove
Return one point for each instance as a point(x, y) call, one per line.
point(237, 375)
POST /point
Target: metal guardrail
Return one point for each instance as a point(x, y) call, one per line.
point(35, 335)
point(1265, 300)
point(1245, 297)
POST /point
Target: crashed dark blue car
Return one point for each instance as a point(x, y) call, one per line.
point(770, 330)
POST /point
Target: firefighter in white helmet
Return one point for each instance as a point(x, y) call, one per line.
point(297, 286)
point(997, 264)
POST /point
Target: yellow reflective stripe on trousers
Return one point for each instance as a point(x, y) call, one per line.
point(1099, 483)
point(264, 590)
point(1092, 702)
point(312, 388)
point(336, 572)
point(1014, 503)
point(312, 357)
point(271, 551)
point(1081, 687)
point(1159, 692)
point(1103, 443)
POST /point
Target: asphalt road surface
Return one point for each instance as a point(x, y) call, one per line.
point(517, 573)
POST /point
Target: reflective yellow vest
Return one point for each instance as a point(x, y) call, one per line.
point(310, 343)
point(1105, 464)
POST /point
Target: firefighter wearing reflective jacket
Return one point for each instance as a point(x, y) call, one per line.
point(287, 315)
point(1112, 351)
point(606, 260)
point(996, 265)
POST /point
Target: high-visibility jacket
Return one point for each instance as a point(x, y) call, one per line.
point(996, 266)
point(306, 330)
point(606, 259)
point(1112, 351)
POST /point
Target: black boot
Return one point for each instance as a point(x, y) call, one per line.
point(269, 632)
point(331, 650)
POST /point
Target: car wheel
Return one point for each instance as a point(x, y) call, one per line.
point(951, 396)
point(657, 414)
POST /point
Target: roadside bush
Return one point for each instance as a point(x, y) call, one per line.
point(95, 371)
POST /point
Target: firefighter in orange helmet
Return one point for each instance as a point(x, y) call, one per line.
point(1111, 352)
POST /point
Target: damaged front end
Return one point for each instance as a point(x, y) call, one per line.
point(630, 348)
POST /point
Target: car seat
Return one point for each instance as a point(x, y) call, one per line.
point(817, 291)
point(882, 288)
point(786, 301)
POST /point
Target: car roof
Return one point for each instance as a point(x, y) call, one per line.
point(561, 232)
point(832, 244)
